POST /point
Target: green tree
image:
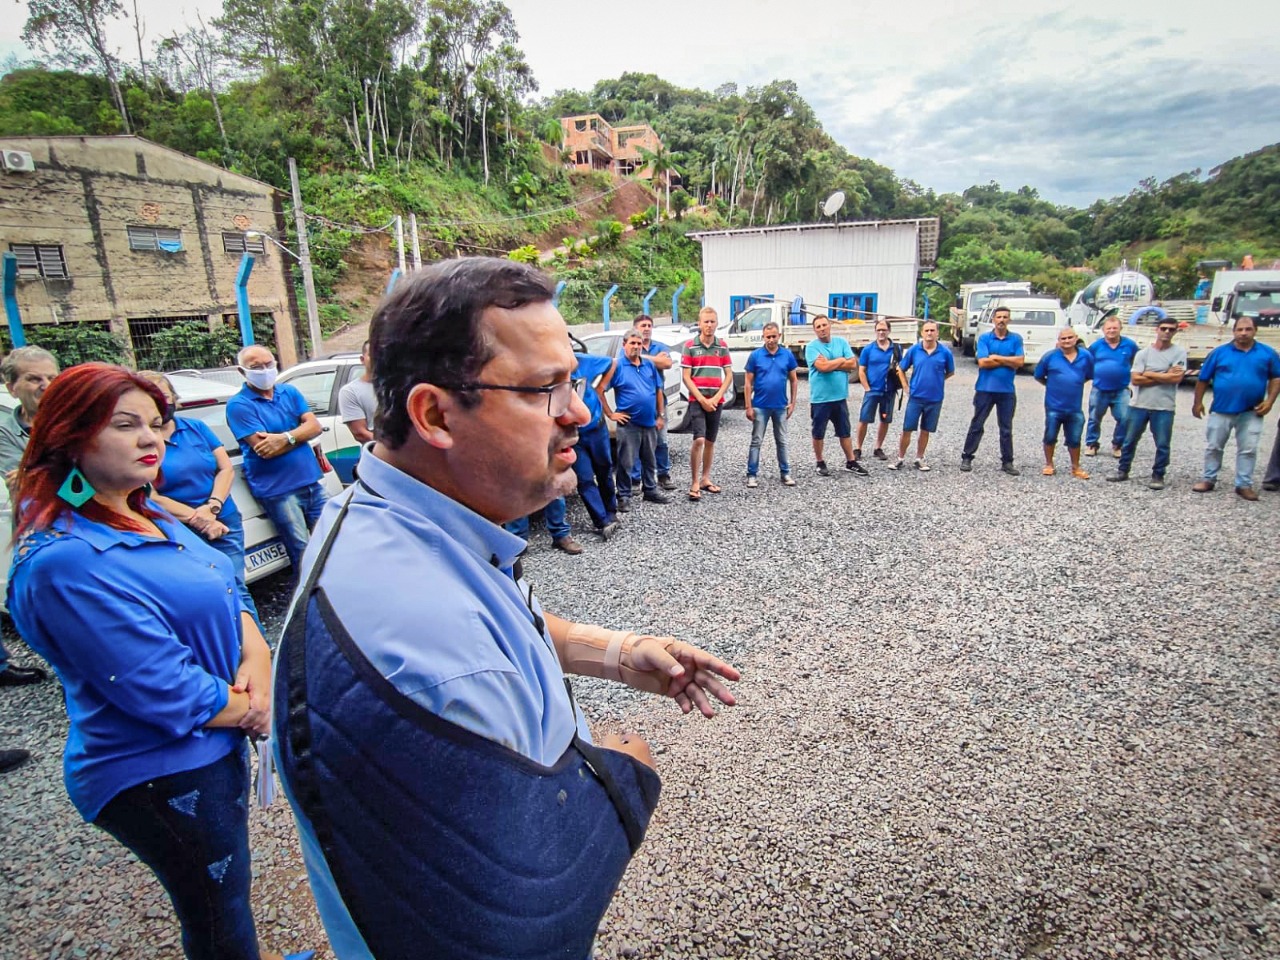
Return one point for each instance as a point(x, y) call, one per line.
point(75, 33)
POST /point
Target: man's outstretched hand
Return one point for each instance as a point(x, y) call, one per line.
point(696, 677)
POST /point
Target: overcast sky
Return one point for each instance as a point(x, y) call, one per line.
point(1079, 101)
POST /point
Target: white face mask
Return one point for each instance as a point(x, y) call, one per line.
point(263, 379)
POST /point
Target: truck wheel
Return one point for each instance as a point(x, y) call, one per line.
point(967, 349)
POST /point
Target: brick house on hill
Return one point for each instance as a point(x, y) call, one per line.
point(593, 144)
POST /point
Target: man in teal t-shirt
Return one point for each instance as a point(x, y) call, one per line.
point(830, 361)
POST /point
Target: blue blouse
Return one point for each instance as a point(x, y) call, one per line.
point(144, 635)
point(189, 466)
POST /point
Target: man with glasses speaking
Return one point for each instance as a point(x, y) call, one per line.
point(449, 798)
point(1157, 371)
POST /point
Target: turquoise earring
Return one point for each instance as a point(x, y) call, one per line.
point(76, 489)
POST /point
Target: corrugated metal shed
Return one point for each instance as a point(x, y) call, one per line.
point(815, 261)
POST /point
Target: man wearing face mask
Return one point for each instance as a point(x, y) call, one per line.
point(274, 426)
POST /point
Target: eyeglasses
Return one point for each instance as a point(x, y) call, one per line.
point(1167, 329)
point(559, 395)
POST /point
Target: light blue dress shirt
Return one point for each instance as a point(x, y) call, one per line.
point(423, 585)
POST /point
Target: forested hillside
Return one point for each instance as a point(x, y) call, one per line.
point(428, 107)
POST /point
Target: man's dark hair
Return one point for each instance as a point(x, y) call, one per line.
point(1001, 310)
point(429, 330)
point(1241, 319)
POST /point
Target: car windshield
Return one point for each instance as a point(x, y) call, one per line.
point(214, 415)
point(1261, 305)
point(977, 301)
point(752, 320)
point(603, 346)
point(1034, 318)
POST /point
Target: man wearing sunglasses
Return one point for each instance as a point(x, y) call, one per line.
point(444, 782)
point(1157, 371)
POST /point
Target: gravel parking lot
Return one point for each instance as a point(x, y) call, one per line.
point(980, 717)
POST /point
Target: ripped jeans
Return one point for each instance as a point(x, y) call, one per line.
point(192, 830)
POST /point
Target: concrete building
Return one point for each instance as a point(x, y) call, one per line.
point(850, 269)
point(134, 237)
point(593, 144)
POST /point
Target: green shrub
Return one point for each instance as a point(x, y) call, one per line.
point(526, 254)
point(191, 345)
point(73, 343)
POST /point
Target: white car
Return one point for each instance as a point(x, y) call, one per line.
point(610, 345)
point(319, 382)
point(1036, 319)
point(206, 400)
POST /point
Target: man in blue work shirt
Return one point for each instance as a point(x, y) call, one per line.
point(1000, 356)
point(931, 364)
point(594, 464)
point(1064, 372)
point(830, 361)
point(478, 419)
point(770, 395)
point(1245, 376)
point(641, 407)
point(275, 427)
point(659, 354)
point(1112, 365)
point(881, 378)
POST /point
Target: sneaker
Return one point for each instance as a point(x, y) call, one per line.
point(656, 498)
point(857, 469)
point(1116, 452)
point(12, 758)
point(609, 529)
point(787, 481)
point(822, 469)
point(665, 481)
point(14, 676)
point(752, 482)
point(922, 466)
point(1080, 474)
point(1118, 477)
point(1155, 483)
point(1271, 486)
point(1091, 450)
point(966, 465)
point(624, 505)
point(879, 454)
point(568, 545)
point(1011, 470)
point(896, 465)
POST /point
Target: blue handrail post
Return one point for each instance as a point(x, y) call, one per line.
point(16, 335)
point(555, 297)
point(395, 277)
point(675, 303)
point(926, 305)
point(607, 297)
point(647, 297)
point(242, 300)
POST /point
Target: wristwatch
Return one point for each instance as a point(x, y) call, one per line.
point(293, 441)
point(214, 505)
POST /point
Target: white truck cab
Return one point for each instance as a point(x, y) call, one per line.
point(970, 303)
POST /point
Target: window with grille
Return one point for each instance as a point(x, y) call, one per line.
point(240, 243)
point(40, 260)
point(156, 239)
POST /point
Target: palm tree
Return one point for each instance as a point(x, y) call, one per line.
point(662, 162)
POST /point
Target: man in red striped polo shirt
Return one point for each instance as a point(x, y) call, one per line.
point(707, 374)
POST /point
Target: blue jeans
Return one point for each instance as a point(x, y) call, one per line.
point(661, 456)
point(192, 830)
point(553, 513)
point(1100, 401)
point(594, 468)
point(1248, 428)
point(1071, 423)
point(1161, 422)
point(1005, 404)
point(294, 514)
point(231, 545)
point(765, 416)
point(636, 443)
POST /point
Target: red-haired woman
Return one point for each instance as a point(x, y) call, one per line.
point(163, 669)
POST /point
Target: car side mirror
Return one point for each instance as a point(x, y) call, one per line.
point(1217, 304)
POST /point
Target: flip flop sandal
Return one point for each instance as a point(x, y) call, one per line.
point(710, 488)
point(695, 495)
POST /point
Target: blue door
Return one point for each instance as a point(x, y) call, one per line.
point(738, 304)
point(852, 306)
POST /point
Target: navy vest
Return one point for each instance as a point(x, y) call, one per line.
point(443, 843)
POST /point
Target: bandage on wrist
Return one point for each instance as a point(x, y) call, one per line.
point(592, 651)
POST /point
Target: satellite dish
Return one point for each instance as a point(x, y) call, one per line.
point(833, 203)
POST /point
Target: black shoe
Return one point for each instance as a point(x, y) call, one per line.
point(609, 529)
point(857, 453)
point(822, 469)
point(1271, 486)
point(624, 505)
point(857, 469)
point(12, 758)
point(1118, 477)
point(665, 482)
point(21, 676)
point(1010, 469)
point(656, 498)
point(966, 465)
point(878, 454)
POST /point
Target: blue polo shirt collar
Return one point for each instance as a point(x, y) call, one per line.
point(103, 537)
point(487, 540)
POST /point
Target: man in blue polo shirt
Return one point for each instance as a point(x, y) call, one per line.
point(932, 365)
point(1064, 371)
point(1000, 355)
point(1245, 376)
point(641, 405)
point(659, 354)
point(594, 464)
point(771, 379)
point(830, 361)
point(1112, 365)
point(881, 377)
point(274, 427)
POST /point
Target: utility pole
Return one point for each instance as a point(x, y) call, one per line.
point(400, 242)
point(417, 250)
point(304, 261)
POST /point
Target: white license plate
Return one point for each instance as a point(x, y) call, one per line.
point(269, 552)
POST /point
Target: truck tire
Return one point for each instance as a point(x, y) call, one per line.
point(967, 348)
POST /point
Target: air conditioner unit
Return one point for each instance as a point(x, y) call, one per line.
point(17, 161)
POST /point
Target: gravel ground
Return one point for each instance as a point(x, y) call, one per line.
point(980, 717)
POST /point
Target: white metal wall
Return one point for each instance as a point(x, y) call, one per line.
point(814, 263)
